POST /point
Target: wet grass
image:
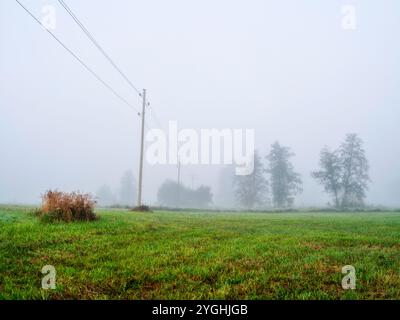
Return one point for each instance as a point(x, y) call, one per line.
point(195, 255)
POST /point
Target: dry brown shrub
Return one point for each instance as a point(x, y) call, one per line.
point(68, 207)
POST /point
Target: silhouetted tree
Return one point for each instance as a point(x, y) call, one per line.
point(252, 190)
point(127, 191)
point(167, 195)
point(198, 198)
point(285, 182)
point(105, 196)
point(355, 168)
point(330, 174)
point(344, 173)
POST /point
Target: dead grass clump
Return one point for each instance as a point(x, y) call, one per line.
point(68, 207)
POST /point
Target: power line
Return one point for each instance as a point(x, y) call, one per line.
point(79, 60)
point(142, 95)
point(98, 46)
point(95, 42)
point(154, 116)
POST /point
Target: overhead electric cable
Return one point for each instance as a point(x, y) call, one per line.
point(98, 46)
point(79, 59)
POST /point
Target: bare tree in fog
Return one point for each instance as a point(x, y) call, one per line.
point(198, 198)
point(330, 174)
point(127, 191)
point(252, 190)
point(344, 173)
point(105, 197)
point(285, 182)
point(355, 171)
point(168, 192)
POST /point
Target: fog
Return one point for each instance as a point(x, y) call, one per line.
point(287, 69)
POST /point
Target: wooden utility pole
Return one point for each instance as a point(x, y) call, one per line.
point(139, 199)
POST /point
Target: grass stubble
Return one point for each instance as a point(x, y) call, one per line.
point(195, 255)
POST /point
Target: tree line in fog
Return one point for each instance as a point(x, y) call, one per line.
point(342, 173)
point(274, 182)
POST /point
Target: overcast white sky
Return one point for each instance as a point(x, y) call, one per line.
point(284, 68)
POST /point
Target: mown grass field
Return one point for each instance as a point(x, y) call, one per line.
point(187, 255)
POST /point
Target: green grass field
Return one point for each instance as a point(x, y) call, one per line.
point(193, 255)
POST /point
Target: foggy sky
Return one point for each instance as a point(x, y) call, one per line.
point(284, 68)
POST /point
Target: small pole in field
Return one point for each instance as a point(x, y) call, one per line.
point(139, 198)
point(179, 183)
